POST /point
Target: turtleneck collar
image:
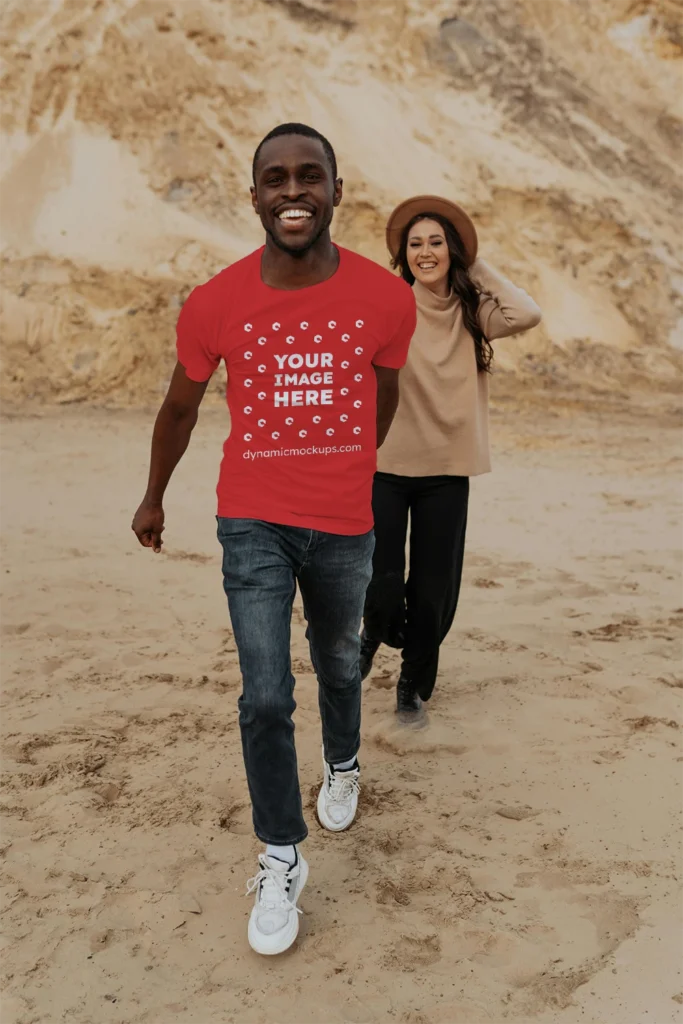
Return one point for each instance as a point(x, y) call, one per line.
point(426, 299)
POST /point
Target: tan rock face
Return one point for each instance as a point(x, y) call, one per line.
point(128, 131)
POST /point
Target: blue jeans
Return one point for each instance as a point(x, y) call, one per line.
point(262, 563)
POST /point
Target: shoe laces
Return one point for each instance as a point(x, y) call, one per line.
point(344, 785)
point(273, 886)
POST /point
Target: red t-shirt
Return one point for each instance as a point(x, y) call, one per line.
point(301, 387)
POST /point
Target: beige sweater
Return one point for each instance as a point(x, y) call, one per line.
point(441, 427)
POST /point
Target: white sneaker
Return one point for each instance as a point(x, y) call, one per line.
point(274, 921)
point(338, 798)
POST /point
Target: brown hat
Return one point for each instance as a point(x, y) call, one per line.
point(409, 208)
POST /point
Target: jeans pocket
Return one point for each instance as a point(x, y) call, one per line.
point(229, 528)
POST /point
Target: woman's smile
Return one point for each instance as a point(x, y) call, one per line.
point(428, 256)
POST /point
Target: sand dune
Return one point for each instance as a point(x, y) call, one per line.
point(129, 127)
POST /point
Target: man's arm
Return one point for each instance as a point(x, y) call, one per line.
point(172, 430)
point(387, 400)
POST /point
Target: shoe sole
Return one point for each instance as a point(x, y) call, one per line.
point(289, 935)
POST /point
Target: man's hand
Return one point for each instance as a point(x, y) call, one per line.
point(148, 525)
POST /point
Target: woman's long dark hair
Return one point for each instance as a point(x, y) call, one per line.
point(462, 284)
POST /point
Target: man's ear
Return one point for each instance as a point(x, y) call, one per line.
point(338, 191)
point(254, 200)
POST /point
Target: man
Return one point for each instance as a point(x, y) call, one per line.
point(313, 337)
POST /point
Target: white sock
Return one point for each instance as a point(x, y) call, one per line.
point(344, 766)
point(285, 853)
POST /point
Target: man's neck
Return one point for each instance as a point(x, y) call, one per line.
point(280, 269)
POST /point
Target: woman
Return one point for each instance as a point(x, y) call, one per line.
point(439, 438)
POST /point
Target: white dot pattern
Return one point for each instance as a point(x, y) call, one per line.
point(320, 419)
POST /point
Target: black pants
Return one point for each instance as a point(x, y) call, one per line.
point(416, 615)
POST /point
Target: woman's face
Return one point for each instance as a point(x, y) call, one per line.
point(428, 256)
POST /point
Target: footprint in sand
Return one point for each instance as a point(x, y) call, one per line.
point(412, 952)
point(19, 629)
point(391, 893)
point(516, 813)
point(383, 681)
point(672, 680)
point(189, 556)
point(619, 501)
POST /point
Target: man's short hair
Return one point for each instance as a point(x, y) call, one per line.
point(293, 128)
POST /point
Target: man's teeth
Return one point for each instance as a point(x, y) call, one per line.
point(294, 214)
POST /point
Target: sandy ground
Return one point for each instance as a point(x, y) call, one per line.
point(516, 860)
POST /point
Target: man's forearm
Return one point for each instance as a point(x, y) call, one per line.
point(171, 436)
point(387, 404)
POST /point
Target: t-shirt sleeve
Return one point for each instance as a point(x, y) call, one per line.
point(394, 352)
point(195, 339)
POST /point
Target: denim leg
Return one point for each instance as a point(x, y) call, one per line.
point(333, 581)
point(259, 580)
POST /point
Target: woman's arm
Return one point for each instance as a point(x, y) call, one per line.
point(504, 309)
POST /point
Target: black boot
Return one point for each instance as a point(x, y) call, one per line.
point(368, 650)
point(409, 707)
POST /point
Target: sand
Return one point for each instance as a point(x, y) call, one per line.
point(515, 860)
